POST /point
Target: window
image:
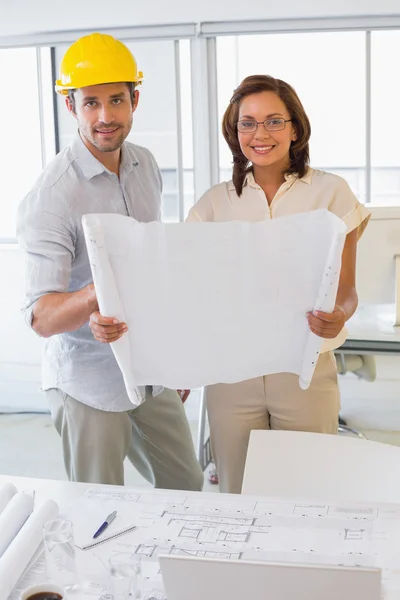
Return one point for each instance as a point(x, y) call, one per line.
point(156, 126)
point(327, 70)
point(21, 147)
point(155, 123)
point(385, 122)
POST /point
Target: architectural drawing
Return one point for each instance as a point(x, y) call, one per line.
point(244, 527)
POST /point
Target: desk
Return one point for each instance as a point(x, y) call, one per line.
point(371, 331)
point(234, 527)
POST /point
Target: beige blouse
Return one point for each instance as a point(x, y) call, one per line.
point(317, 189)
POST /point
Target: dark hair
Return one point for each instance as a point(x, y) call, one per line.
point(299, 151)
point(131, 85)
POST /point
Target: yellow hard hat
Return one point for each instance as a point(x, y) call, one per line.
point(94, 59)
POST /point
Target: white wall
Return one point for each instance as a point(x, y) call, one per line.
point(375, 261)
point(20, 348)
point(27, 16)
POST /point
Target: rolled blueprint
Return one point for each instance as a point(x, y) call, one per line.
point(326, 303)
point(23, 547)
point(108, 299)
point(13, 517)
point(7, 491)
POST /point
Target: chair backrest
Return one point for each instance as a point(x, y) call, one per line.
point(315, 466)
point(212, 579)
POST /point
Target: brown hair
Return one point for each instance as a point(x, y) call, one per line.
point(130, 84)
point(299, 151)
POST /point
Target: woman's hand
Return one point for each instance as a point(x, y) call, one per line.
point(106, 329)
point(327, 325)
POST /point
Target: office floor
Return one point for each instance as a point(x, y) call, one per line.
point(30, 446)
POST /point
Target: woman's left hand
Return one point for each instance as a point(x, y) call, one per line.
point(327, 325)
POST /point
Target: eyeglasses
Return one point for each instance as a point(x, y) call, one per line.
point(269, 125)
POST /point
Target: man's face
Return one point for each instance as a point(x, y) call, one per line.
point(104, 114)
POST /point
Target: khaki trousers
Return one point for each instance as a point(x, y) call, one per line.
point(155, 437)
point(271, 402)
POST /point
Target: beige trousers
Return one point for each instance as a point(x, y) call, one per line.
point(155, 437)
point(271, 402)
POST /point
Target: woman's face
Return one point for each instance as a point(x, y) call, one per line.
point(265, 148)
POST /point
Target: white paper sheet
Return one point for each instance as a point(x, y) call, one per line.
point(23, 547)
point(214, 302)
point(7, 491)
point(13, 517)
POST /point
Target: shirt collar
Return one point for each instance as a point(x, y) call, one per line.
point(307, 178)
point(89, 164)
point(250, 181)
point(128, 158)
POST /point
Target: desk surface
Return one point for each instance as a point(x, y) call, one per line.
point(232, 527)
point(371, 330)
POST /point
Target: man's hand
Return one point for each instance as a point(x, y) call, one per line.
point(106, 329)
point(327, 325)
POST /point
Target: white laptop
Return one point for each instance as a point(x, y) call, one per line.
point(196, 578)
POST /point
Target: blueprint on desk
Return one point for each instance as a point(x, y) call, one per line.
point(245, 527)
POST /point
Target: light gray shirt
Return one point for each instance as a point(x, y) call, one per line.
point(50, 232)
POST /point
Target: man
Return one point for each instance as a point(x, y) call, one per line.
point(98, 172)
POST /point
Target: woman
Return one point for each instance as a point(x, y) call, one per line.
point(267, 131)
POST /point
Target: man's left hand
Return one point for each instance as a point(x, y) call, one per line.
point(327, 325)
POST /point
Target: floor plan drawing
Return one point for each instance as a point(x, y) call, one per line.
point(244, 528)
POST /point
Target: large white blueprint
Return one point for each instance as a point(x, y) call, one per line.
point(214, 302)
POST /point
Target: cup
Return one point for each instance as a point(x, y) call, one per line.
point(60, 552)
point(125, 576)
point(43, 591)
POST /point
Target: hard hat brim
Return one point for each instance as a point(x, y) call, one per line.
point(64, 89)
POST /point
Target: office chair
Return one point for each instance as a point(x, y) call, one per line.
point(364, 367)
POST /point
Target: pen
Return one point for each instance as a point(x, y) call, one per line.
point(106, 523)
